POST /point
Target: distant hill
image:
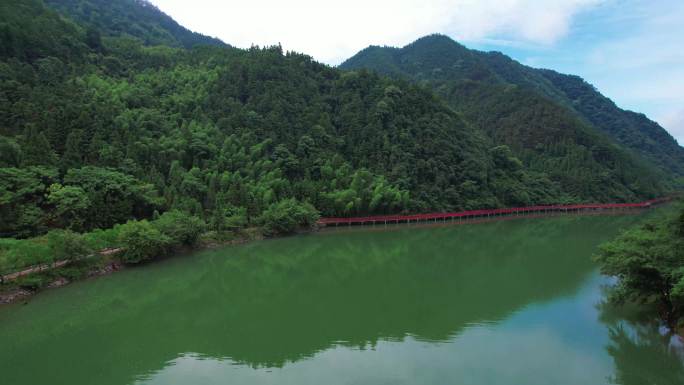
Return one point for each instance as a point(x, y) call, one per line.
point(469, 78)
point(137, 18)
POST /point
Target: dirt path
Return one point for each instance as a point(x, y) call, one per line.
point(54, 265)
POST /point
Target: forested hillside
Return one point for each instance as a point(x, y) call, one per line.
point(98, 128)
point(631, 129)
point(486, 86)
point(136, 18)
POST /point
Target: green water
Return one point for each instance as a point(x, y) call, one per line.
point(511, 302)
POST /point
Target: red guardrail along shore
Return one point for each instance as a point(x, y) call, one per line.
point(486, 213)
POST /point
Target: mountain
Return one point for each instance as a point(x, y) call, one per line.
point(137, 18)
point(631, 129)
point(460, 74)
point(100, 124)
point(95, 131)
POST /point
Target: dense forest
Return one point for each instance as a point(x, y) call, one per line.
point(112, 115)
point(526, 107)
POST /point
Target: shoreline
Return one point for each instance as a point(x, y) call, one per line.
point(109, 266)
point(17, 294)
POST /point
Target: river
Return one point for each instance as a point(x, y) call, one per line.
point(506, 302)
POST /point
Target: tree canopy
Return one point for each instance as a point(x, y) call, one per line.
point(649, 264)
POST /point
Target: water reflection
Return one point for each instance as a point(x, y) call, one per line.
point(642, 349)
point(643, 353)
point(644, 356)
point(315, 302)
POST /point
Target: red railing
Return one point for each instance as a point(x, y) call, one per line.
point(487, 212)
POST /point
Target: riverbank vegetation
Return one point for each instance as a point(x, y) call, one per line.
point(648, 262)
point(137, 241)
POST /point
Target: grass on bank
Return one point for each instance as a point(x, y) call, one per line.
point(141, 240)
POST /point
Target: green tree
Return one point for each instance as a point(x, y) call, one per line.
point(93, 39)
point(10, 152)
point(142, 241)
point(179, 227)
point(228, 218)
point(649, 264)
point(71, 205)
point(114, 197)
point(22, 199)
point(36, 148)
point(287, 216)
point(73, 153)
point(66, 244)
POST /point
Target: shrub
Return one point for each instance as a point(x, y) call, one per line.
point(66, 244)
point(99, 239)
point(181, 228)
point(33, 282)
point(229, 219)
point(287, 216)
point(142, 241)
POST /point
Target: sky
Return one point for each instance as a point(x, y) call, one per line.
point(631, 50)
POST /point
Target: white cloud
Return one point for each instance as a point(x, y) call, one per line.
point(643, 69)
point(331, 32)
point(542, 22)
